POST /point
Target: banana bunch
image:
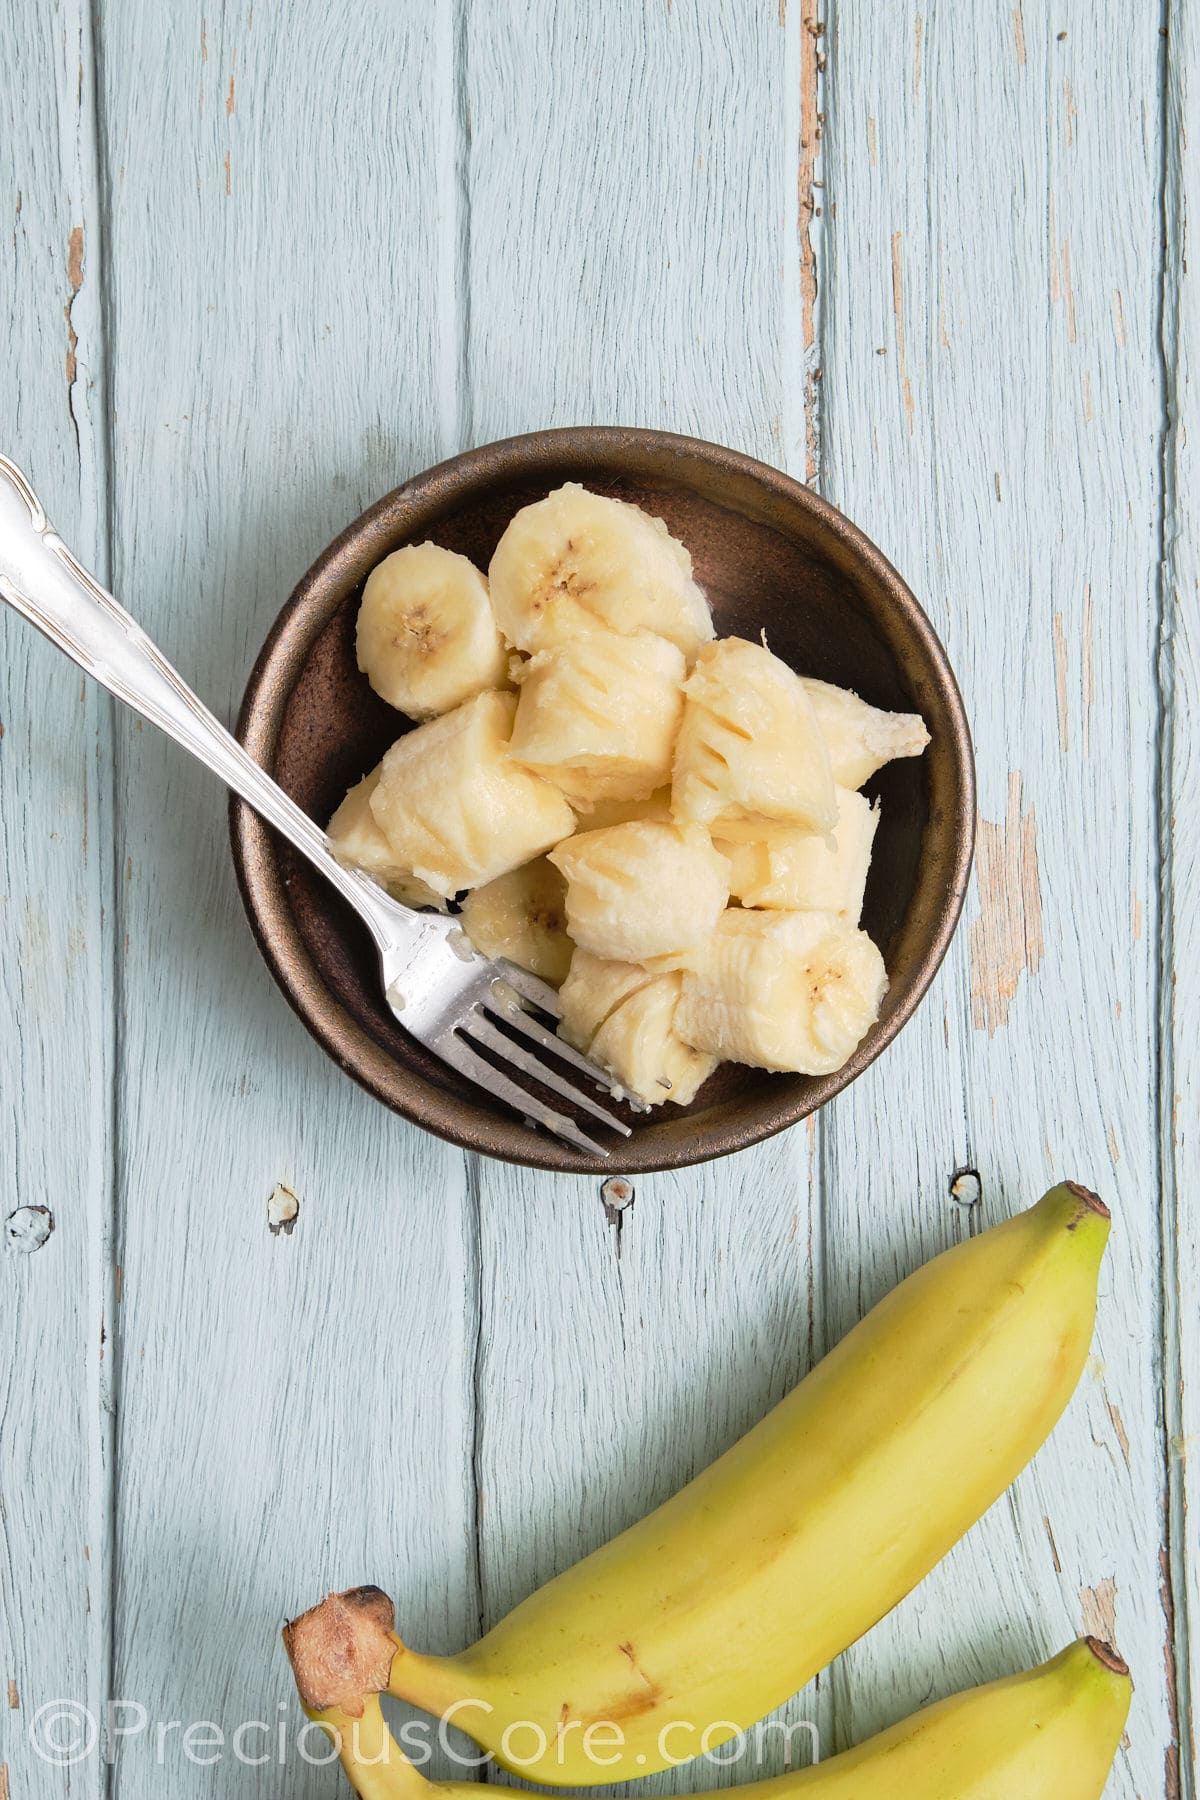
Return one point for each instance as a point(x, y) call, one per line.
point(717, 1607)
point(1048, 1734)
point(668, 824)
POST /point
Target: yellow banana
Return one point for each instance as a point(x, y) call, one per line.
point(1050, 1734)
point(731, 1596)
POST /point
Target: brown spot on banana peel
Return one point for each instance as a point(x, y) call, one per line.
point(1107, 1656)
point(1088, 1202)
point(342, 1649)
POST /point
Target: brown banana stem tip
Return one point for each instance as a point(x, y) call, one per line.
point(1104, 1653)
point(342, 1648)
point(1093, 1202)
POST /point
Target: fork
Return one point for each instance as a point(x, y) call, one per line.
point(453, 1000)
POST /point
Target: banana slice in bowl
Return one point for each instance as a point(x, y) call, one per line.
point(660, 723)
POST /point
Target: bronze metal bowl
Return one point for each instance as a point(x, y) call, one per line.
point(770, 555)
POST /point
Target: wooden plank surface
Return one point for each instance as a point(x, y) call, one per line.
point(294, 1411)
point(329, 255)
point(55, 887)
point(658, 286)
point(992, 415)
point(1179, 837)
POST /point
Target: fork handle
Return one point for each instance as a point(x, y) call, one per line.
point(44, 582)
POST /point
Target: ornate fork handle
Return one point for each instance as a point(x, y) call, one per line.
point(44, 582)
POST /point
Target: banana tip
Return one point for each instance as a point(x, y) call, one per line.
point(1107, 1656)
point(342, 1649)
point(1091, 1201)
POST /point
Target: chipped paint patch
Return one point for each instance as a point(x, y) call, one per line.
point(1053, 1546)
point(1060, 680)
point(810, 142)
point(1018, 25)
point(1006, 939)
point(75, 281)
point(1118, 1425)
point(898, 310)
point(283, 1209)
point(1098, 1610)
point(872, 140)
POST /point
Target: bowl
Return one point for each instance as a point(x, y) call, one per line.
point(771, 556)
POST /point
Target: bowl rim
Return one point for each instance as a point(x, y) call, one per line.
point(315, 600)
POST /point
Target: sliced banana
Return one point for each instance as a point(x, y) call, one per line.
point(625, 1018)
point(427, 637)
point(356, 840)
point(861, 738)
point(782, 990)
point(598, 716)
point(800, 871)
point(578, 562)
point(454, 805)
point(522, 915)
point(644, 892)
point(657, 806)
point(750, 757)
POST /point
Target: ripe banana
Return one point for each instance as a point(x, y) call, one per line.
point(522, 915)
point(620, 812)
point(800, 871)
point(579, 562)
point(645, 892)
point(750, 756)
point(624, 1018)
point(456, 808)
point(861, 738)
point(730, 1597)
point(598, 716)
point(1048, 1734)
point(782, 990)
point(427, 637)
point(356, 840)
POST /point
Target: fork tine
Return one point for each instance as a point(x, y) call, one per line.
point(481, 1028)
point(533, 1028)
point(465, 1060)
point(530, 987)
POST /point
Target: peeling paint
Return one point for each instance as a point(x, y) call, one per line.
point(1053, 1546)
point(1118, 1425)
point(1098, 1610)
point(898, 310)
point(1018, 24)
point(1006, 939)
point(75, 279)
point(1060, 680)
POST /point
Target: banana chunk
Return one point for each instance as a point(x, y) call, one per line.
point(800, 871)
point(624, 1018)
point(861, 738)
point(750, 757)
point(356, 840)
point(522, 915)
point(456, 808)
point(782, 990)
point(656, 806)
point(644, 892)
point(598, 716)
point(578, 562)
point(427, 638)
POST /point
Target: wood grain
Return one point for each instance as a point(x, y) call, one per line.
point(1179, 836)
point(294, 1410)
point(992, 415)
point(55, 882)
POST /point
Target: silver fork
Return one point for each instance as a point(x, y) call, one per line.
point(453, 1000)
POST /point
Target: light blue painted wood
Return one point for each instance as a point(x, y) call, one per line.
point(1179, 825)
point(55, 884)
point(993, 415)
point(659, 285)
point(333, 251)
point(294, 1413)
